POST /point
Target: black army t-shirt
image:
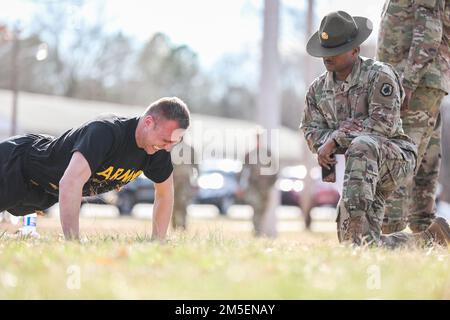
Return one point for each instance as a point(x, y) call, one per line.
point(109, 146)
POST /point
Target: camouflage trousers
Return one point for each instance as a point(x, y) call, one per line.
point(414, 203)
point(375, 167)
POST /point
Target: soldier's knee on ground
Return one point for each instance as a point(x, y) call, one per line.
point(346, 229)
point(354, 232)
point(356, 228)
point(352, 229)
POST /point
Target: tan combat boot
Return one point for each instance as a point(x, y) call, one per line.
point(439, 232)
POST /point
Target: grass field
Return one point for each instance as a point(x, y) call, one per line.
point(215, 259)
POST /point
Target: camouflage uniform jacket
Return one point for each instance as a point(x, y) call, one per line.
point(415, 38)
point(372, 93)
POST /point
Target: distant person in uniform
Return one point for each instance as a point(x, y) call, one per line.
point(354, 107)
point(183, 179)
point(37, 171)
point(256, 187)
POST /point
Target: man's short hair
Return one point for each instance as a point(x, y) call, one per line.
point(170, 108)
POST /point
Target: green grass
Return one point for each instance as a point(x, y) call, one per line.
point(215, 264)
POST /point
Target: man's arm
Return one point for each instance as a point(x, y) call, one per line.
point(426, 39)
point(314, 125)
point(318, 134)
point(384, 100)
point(70, 193)
point(163, 207)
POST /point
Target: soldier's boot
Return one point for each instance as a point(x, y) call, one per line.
point(415, 228)
point(419, 223)
point(437, 233)
point(393, 227)
point(353, 233)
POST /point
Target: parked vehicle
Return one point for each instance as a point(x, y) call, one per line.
point(218, 183)
point(291, 183)
point(141, 190)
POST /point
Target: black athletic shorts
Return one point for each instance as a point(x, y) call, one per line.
point(18, 194)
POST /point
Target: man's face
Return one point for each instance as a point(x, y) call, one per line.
point(159, 134)
point(341, 62)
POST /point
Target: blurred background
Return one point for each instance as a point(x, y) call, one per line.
point(237, 64)
point(133, 52)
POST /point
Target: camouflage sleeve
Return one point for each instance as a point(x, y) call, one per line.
point(427, 35)
point(384, 100)
point(314, 125)
point(316, 129)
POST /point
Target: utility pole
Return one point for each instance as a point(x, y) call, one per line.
point(16, 51)
point(14, 78)
point(306, 196)
point(269, 99)
point(269, 94)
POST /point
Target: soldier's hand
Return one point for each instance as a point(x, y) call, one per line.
point(351, 125)
point(406, 100)
point(325, 154)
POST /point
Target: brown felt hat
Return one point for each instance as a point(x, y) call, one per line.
point(339, 32)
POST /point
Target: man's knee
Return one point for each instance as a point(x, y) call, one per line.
point(363, 146)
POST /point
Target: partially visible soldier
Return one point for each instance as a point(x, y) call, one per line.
point(354, 108)
point(414, 38)
point(183, 179)
point(257, 187)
